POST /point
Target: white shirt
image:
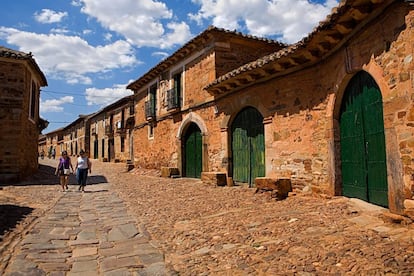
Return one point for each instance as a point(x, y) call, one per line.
point(82, 162)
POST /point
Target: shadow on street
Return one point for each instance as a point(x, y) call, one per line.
point(46, 176)
point(10, 216)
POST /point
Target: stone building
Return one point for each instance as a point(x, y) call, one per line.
point(42, 147)
point(76, 136)
point(337, 106)
point(332, 112)
point(111, 131)
point(175, 117)
point(54, 141)
point(20, 82)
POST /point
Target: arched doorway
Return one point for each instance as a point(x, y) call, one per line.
point(193, 149)
point(363, 157)
point(247, 134)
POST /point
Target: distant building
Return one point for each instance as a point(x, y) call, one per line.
point(53, 141)
point(20, 82)
point(111, 131)
point(75, 136)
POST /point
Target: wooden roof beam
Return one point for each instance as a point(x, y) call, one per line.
point(333, 38)
point(308, 54)
point(359, 13)
point(230, 85)
point(270, 70)
point(377, 1)
point(277, 67)
point(324, 46)
point(288, 62)
point(256, 75)
point(345, 27)
point(300, 59)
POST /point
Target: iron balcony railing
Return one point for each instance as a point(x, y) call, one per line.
point(109, 130)
point(173, 99)
point(150, 110)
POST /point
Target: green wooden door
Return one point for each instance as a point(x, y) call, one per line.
point(248, 146)
point(364, 171)
point(193, 152)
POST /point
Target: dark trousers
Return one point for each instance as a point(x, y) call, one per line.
point(81, 175)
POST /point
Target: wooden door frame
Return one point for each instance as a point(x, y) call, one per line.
point(230, 144)
point(394, 164)
point(192, 117)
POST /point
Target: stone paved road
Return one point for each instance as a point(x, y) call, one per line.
point(79, 233)
point(201, 230)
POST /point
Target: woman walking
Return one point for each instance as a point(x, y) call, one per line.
point(63, 170)
point(83, 165)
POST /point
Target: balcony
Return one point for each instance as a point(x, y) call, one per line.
point(120, 128)
point(109, 130)
point(130, 122)
point(173, 99)
point(150, 110)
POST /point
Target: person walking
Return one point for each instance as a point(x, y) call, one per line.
point(83, 165)
point(63, 170)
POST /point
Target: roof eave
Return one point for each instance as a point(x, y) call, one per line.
point(187, 49)
point(324, 40)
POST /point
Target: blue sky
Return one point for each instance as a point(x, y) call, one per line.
point(89, 50)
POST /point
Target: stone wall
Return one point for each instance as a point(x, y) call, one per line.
point(301, 110)
point(19, 138)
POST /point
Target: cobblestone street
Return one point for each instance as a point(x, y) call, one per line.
point(206, 230)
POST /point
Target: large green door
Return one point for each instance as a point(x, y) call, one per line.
point(248, 146)
point(193, 152)
point(364, 171)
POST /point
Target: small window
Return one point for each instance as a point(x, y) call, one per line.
point(103, 148)
point(131, 109)
point(122, 144)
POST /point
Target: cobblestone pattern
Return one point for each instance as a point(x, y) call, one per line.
point(207, 230)
point(87, 233)
point(202, 230)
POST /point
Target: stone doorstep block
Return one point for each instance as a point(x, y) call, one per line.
point(169, 171)
point(214, 178)
point(280, 187)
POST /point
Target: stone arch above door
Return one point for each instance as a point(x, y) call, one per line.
point(191, 118)
point(232, 113)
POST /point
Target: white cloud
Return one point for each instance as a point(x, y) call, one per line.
point(291, 20)
point(59, 31)
point(107, 36)
point(54, 105)
point(103, 97)
point(70, 57)
point(76, 3)
point(140, 22)
point(163, 55)
point(49, 16)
